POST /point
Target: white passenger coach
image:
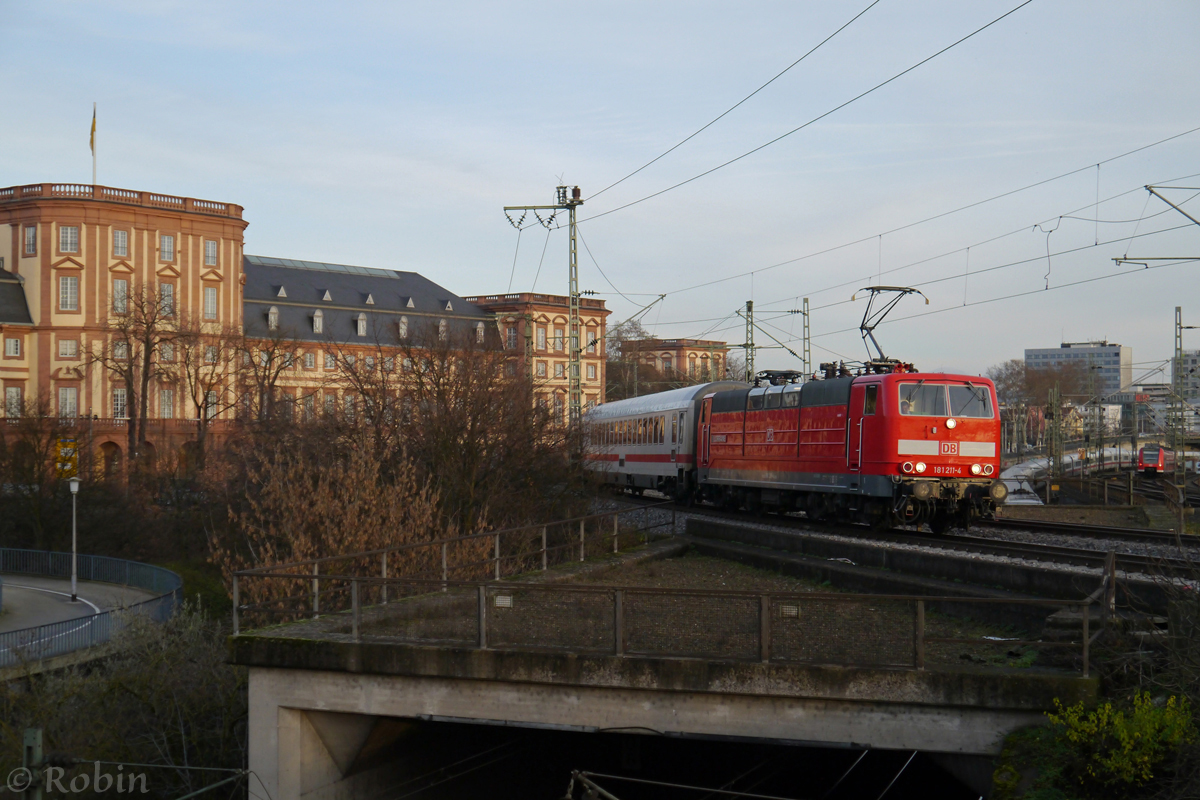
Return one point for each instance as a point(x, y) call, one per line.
point(649, 442)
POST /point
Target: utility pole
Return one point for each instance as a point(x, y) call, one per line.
point(749, 344)
point(1056, 443)
point(568, 198)
point(807, 344)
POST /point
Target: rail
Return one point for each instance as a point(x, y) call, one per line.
point(87, 191)
point(433, 605)
point(59, 638)
point(897, 631)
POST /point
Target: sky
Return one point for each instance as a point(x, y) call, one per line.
point(392, 135)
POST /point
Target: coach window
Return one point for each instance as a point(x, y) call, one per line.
point(869, 399)
point(674, 428)
point(791, 399)
point(773, 399)
point(754, 400)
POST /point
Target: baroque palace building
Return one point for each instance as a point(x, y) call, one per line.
point(77, 255)
point(691, 359)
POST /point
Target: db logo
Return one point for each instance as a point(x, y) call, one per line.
point(949, 448)
point(770, 434)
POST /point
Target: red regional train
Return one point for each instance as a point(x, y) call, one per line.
point(1153, 459)
point(889, 446)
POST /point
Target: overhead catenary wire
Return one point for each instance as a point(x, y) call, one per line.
point(727, 111)
point(814, 120)
point(943, 214)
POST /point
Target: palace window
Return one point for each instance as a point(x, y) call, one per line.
point(166, 403)
point(12, 348)
point(120, 350)
point(68, 293)
point(310, 361)
point(443, 330)
point(31, 240)
point(210, 253)
point(68, 348)
point(479, 332)
point(121, 244)
point(541, 338)
point(210, 302)
point(166, 247)
point(120, 296)
point(166, 299)
point(68, 402)
point(362, 324)
point(402, 328)
point(68, 239)
point(12, 401)
point(272, 318)
point(119, 408)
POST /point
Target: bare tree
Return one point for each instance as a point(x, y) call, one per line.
point(202, 363)
point(139, 323)
point(262, 364)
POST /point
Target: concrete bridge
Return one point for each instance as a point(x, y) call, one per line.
point(333, 692)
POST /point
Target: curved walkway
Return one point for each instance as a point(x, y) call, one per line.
point(32, 600)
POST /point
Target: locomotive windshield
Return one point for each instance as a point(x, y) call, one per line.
point(939, 400)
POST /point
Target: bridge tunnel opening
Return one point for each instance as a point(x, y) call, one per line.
point(428, 759)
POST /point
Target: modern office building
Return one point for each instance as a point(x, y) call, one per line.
point(1113, 362)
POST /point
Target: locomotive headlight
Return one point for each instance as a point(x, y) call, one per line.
point(950, 423)
point(976, 469)
point(988, 469)
point(907, 466)
point(920, 467)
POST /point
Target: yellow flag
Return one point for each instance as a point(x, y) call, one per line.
point(93, 139)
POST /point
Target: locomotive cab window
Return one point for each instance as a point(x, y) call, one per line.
point(923, 399)
point(869, 398)
point(754, 401)
point(970, 401)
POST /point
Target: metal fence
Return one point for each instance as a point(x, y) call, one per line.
point(47, 641)
point(775, 627)
point(480, 556)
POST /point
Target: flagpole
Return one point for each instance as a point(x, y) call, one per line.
point(93, 144)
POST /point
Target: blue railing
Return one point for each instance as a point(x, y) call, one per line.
point(58, 638)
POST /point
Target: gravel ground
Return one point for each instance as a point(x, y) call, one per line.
point(640, 516)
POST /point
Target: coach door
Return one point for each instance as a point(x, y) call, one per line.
point(860, 422)
point(854, 427)
point(702, 449)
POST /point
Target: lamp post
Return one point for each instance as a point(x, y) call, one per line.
point(74, 483)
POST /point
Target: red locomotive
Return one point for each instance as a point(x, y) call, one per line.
point(886, 446)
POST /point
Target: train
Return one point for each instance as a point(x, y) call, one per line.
point(885, 446)
point(1153, 459)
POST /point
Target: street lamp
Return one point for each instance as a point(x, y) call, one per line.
point(74, 484)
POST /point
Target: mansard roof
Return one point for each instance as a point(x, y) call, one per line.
point(307, 284)
point(14, 310)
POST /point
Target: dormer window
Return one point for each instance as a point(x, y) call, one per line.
point(443, 329)
point(402, 327)
point(318, 321)
point(410, 304)
point(273, 318)
point(282, 292)
point(370, 300)
point(479, 331)
point(328, 298)
point(362, 324)
point(449, 306)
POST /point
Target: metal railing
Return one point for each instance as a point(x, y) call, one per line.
point(898, 631)
point(489, 554)
point(59, 638)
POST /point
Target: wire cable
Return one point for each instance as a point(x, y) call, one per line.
point(541, 261)
point(597, 263)
point(735, 105)
point(942, 214)
point(512, 274)
point(814, 120)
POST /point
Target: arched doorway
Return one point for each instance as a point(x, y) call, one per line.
point(110, 459)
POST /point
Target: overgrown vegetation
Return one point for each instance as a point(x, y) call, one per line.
point(166, 697)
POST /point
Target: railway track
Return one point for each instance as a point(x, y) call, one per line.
point(975, 545)
point(1135, 535)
